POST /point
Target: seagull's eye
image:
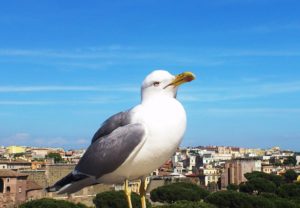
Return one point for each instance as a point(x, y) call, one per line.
point(155, 84)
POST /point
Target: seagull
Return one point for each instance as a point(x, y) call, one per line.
point(131, 144)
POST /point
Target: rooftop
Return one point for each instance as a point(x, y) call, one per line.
point(10, 173)
point(31, 185)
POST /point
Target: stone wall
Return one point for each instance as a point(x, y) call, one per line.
point(37, 176)
point(55, 172)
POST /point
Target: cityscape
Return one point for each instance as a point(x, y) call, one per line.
point(25, 172)
point(70, 67)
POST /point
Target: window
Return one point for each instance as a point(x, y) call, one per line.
point(7, 179)
point(20, 189)
point(8, 189)
point(1, 186)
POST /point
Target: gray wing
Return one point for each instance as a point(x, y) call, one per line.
point(112, 123)
point(106, 154)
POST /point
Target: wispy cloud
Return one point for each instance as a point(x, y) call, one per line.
point(20, 138)
point(85, 53)
point(235, 111)
point(57, 88)
point(258, 53)
point(105, 58)
point(27, 139)
point(87, 58)
point(24, 102)
point(241, 91)
point(270, 28)
point(104, 100)
point(244, 90)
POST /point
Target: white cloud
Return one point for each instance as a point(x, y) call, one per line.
point(230, 112)
point(239, 91)
point(24, 102)
point(26, 139)
point(20, 136)
point(16, 139)
point(49, 88)
point(82, 141)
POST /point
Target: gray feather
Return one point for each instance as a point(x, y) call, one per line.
point(108, 153)
point(112, 123)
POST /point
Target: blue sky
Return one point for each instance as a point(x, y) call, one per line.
point(65, 66)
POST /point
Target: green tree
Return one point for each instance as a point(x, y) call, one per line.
point(276, 179)
point(246, 188)
point(261, 202)
point(290, 160)
point(232, 187)
point(116, 199)
point(16, 155)
point(229, 199)
point(51, 203)
point(255, 174)
point(177, 192)
point(290, 190)
point(262, 185)
point(233, 199)
point(279, 201)
point(56, 156)
point(290, 176)
point(188, 204)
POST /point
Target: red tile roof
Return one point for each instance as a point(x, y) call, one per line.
point(31, 185)
point(10, 173)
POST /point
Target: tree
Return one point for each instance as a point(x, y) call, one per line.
point(262, 185)
point(233, 199)
point(232, 187)
point(229, 199)
point(290, 176)
point(51, 203)
point(281, 202)
point(177, 192)
point(290, 160)
point(259, 202)
point(188, 204)
point(255, 174)
point(116, 199)
point(276, 179)
point(16, 155)
point(56, 156)
point(290, 190)
point(246, 188)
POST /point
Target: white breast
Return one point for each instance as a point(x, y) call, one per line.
point(166, 123)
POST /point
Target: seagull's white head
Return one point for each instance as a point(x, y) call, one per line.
point(160, 84)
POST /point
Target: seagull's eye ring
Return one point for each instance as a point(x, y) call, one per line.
point(156, 84)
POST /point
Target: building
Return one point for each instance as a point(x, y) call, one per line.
point(39, 153)
point(194, 162)
point(207, 158)
point(234, 171)
point(12, 188)
point(33, 191)
point(15, 149)
point(15, 164)
point(222, 156)
point(298, 159)
point(268, 169)
point(209, 175)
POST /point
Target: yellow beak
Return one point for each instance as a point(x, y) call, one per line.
point(182, 78)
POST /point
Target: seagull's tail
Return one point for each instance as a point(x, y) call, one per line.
point(71, 183)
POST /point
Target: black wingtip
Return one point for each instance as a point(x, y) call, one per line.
point(51, 189)
point(70, 178)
